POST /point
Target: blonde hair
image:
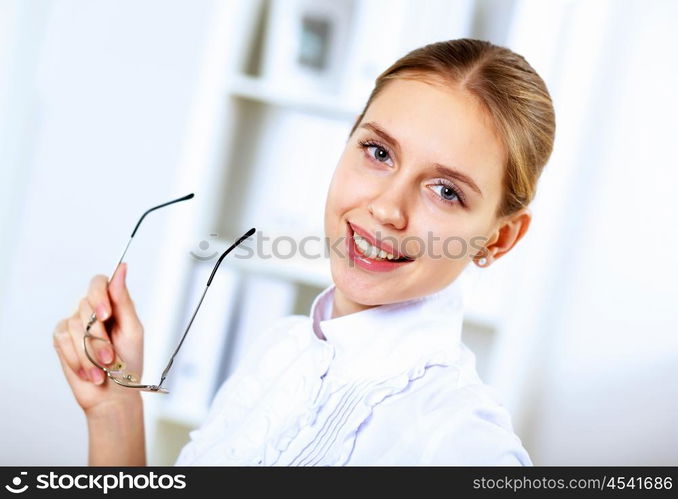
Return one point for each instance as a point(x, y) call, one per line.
point(507, 87)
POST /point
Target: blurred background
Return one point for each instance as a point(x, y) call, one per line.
point(110, 107)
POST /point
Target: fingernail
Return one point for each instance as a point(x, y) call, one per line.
point(82, 374)
point(106, 355)
point(102, 313)
point(96, 375)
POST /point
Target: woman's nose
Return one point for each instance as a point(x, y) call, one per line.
point(388, 209)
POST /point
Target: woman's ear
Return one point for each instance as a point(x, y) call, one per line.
point(511, 230)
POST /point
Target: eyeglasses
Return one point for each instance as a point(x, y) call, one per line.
point(117, 370)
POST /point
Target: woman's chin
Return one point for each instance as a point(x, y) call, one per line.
point(359, 289)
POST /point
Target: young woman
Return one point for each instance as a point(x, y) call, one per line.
point(438, 172)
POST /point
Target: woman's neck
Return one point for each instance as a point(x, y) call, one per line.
point(341, 305)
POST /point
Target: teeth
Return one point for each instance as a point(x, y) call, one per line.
point(370, 251)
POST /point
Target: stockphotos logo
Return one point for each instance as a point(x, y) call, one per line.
point(16, 487)
point(102, 483)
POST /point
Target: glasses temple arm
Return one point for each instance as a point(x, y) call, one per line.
point(242, 238)
point(184, 198)
point(195, 312)
point(136, 227)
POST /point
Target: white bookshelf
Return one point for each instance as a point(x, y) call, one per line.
point(297, 269)
point(225, 163)
point(266, 92)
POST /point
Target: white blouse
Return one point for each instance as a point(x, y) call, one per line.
point(390, 385)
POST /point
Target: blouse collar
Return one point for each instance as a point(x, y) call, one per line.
point(388, 339)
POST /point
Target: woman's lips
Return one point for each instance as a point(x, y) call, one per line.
point(382, 245)
point(366, 263)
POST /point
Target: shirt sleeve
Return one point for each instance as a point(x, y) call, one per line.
point(476, 432)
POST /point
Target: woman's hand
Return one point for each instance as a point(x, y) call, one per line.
point(117, 321)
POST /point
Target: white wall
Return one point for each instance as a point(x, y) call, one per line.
point(106, 88)
point(603, 384)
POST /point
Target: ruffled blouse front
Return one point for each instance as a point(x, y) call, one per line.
point(390, 385)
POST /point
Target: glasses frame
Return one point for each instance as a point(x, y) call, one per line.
point(115, 371)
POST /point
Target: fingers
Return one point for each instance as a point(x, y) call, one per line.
point(102, 350)
point(98, 297)
point(97, 300)
point(106, 300)
point(76, 328)
point(70, 362)
point(123, 306)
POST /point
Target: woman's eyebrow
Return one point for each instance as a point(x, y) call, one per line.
point(371, 125)
point(450, 172)
point(441, 169)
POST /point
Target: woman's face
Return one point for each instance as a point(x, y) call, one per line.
point(422, 171)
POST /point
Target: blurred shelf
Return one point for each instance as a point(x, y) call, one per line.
point(259, 90)
point(296, 268)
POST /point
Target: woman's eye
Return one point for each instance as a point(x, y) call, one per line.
point(447, 193)
point(382, 154)
point(376, 151)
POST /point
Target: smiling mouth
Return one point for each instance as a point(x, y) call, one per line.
point(366, 250)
